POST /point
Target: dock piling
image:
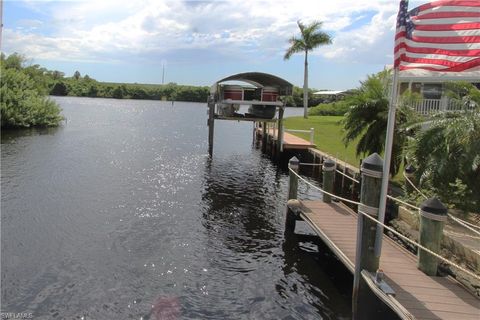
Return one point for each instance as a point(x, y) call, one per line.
point(264, 137)
point(281, 111)
point(290, 220)
point(293, 164)
point(410, 174)
point(371, 171)
point(328, 168)
point(433, 215)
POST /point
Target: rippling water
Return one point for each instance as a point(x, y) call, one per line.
point(120, 214)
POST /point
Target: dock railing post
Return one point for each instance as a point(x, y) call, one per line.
point(281, 111)
point(290, 220)
point(328, 168)
point(371, 171)
point(433, 215)
point(264, 137)
point(294, 165)
point(410, 174)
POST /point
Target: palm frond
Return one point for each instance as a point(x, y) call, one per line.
point(310, 38)
point(296, 46)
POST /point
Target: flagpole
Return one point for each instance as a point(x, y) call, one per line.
point(386, 162)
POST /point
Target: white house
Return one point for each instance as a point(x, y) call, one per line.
point(431, 86)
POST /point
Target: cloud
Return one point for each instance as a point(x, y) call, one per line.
point(151, 30)
point(370, 43)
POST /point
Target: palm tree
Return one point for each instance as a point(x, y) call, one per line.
point(367, 119)
point(311, 37)
point(447, 157)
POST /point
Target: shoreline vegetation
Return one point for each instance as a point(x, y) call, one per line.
point(24, 98)
point(25, 90)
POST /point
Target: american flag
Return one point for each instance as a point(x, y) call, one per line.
point(439, 36)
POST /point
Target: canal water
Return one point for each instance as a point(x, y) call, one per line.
point(120, 214)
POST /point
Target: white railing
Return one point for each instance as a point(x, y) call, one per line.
point(428, 106)
point(311, 131)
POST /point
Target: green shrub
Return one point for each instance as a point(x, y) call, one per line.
point(338, 108)
point(22, 104)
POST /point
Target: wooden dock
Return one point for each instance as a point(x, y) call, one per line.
point(290, 141)
point(417, 296)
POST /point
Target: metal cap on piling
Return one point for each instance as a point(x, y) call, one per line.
point(294, 163)
point(372, 166)
point(409, 170)
point(433, 209)
point(328, 165)
point(328, 168)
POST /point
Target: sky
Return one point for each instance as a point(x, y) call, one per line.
point(200, 42)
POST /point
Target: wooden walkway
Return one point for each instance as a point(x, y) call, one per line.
point(417, 296)
point(289, 140)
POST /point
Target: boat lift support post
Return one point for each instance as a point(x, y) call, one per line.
point(211, 123)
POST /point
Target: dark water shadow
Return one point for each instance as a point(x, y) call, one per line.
point(9, 135)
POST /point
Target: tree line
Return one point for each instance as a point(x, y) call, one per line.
point(86, 86)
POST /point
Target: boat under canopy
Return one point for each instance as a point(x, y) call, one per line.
point(261, 92)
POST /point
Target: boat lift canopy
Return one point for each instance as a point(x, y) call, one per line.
point(259, 80)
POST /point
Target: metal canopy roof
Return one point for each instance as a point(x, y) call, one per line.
point(260, 80)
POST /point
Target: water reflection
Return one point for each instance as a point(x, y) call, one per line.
point(10, 135)
point(241, 197)
point(245, 214)
point(310, 263)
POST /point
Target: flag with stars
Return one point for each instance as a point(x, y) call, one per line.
point(439, 36)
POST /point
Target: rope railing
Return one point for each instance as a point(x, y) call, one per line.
point(461, 222)
point(418, 245)
point(309, 164)
point(347, 176)
point(436, 255)
point(465, 224)
point(403, 202)
point(470, 226)
point(414, 186)
point(323, 191)
point(340, 172)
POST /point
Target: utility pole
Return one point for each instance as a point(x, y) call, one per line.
point(163, 73)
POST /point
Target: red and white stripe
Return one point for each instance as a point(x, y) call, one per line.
point(446, 37)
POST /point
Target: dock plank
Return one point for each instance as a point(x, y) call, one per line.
point(423, 296)
point(290, 141)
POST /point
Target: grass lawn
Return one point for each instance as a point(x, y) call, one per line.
point(329, 138)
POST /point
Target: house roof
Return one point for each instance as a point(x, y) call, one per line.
point(435, 76)
point(420, 75)
point(258, 79)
